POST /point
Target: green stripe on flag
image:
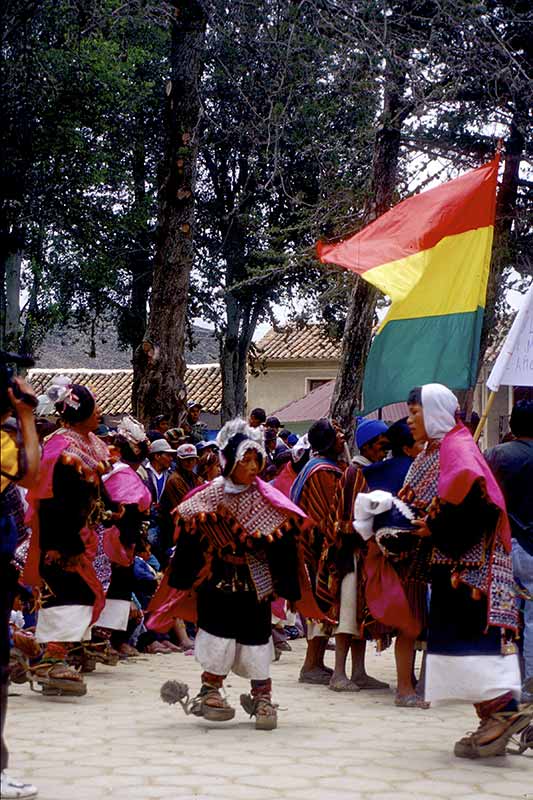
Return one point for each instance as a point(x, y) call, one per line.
point(411, 352)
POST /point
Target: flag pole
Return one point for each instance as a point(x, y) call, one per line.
point(482, 422)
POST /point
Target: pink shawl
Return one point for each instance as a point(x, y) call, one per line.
point(461, 464)
point(52, 451)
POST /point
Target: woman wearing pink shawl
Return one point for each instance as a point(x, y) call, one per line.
point(472, 616)
point(65, 509)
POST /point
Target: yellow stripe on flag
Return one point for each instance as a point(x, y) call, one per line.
point(449, 278)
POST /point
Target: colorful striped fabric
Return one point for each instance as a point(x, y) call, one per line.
point(431, 255)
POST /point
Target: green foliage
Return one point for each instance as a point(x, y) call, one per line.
point(83, 89)
point(294, 102)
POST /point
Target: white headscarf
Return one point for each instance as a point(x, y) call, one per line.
point(439, 405)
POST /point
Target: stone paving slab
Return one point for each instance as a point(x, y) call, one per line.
point(122, 742)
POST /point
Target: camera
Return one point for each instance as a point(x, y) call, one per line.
point(8, 362)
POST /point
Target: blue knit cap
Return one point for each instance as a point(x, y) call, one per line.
point(368, 429)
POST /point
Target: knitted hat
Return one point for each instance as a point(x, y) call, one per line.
point(369, 429)
point(394, 530)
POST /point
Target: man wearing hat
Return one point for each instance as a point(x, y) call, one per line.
point(194, 429)
point(389, 474)
point(158, 469)
point(179, 484)
point(274, 423)
point(159, 428)
point(160, 458)
point(313, 490)
point(371, 440)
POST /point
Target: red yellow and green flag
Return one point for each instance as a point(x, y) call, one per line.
point(431, 255)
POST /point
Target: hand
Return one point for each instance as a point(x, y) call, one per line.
point(19, 404)
point(421, 528)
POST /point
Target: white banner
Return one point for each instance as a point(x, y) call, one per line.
point(514, 365)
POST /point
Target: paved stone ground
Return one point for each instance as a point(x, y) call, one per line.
point(121, 741)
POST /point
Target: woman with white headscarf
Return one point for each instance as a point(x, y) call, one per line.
point(451, 501)
point(472, 616)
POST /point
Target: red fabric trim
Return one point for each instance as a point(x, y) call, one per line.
point(115, 550)
point(169, 604)
point(384, 593)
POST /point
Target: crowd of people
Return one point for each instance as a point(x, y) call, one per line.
point(119, 541)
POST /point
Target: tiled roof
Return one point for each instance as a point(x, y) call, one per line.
point(112, 387)
point(310, 342)
point(316, 405)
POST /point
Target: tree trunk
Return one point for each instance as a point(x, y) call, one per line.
point(360, 317)
point(159, 365)
point(140, 259)
point(11, 254)
point(229, 359)
point(12, 323)
point(235, 346)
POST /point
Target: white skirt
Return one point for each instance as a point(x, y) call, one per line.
point(64, 624)
point(115, 615)
point(472, 678)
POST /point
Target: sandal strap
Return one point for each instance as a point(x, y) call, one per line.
point(506, 716)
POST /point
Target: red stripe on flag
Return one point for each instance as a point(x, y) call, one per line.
point(420, 222)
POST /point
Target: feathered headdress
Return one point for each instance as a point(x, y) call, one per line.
point(61, 391)
point(234, 440)
point(131, 429)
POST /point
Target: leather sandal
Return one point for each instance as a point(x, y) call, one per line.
point(81, 659)
point(410, 701)
point(58, 678)
point(19, 666)
point(493, 734)
point(102, 653)
point(264, 711)
point(210, 705)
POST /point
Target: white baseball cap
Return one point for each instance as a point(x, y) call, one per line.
point(187, 451)
point(160, 446)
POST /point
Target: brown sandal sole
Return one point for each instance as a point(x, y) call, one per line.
point(498, 747)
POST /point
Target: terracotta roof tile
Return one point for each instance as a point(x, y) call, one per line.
point(112, 387)
point(310, 342)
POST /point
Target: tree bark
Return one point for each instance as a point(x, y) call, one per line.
point(140, 258)
point(13, 266)
point(159, 365)
point(347, 394)
point(234, 349)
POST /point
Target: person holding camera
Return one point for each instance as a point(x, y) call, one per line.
point(19, 465)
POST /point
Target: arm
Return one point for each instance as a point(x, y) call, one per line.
point(457, 528)
point(24, 414)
